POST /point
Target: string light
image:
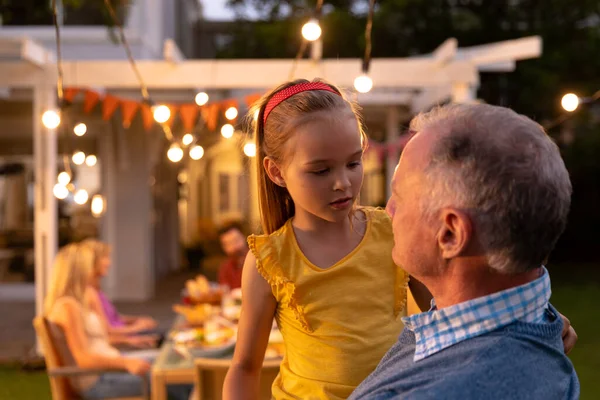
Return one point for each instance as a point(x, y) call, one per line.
point(64, 178)
point(91, 160)
point(201, 98)
point(97, 205)
point(231, 113)
point(187, 139)
point(78, 158)
point(250, 149)
point(80, 129)
point(311, 30)
point(51, 119)
point(182, 177)
point(227, 131)
point(570, 102)
point(196, 152)
point(304, 43)
point(60, 191)
point(364, 83)
point(161, 113)
point(175, 154)
point(81, 197)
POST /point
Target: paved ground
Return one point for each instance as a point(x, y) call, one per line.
point(17, 337)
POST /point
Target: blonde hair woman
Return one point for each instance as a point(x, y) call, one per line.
point(117, 324)
point(85, 334)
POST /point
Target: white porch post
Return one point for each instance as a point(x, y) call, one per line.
point(391, 158)
point(45, 212)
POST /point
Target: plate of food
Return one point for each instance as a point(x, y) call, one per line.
point(200, 291)
point(211, 340)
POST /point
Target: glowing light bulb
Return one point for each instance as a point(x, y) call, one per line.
point(182, 177)
point(570, 102)
point(201, 98)
point(91, 160)
point(80, 129)
point(51, 119)
point(78, 158)
point(81, 196)
point(227, 131)
point(363, 83)
point(196, 152)
point(250, 149)
point(97, 205)
point(64, 178)
point(161, 113)
point(60, 191)
point(187, 139)
point(311, 30)
point(175, 154)
point(231, 113)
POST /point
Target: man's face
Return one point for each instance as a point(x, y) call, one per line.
point(415, 245)
point(234, 243)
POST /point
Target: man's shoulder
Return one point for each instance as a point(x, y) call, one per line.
point(506, 363)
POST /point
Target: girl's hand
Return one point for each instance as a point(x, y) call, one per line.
point(145, 323)
point(569, 335)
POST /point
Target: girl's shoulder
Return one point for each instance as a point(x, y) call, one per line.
point(378, 218)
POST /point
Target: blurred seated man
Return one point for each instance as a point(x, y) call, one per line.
point(233, 242)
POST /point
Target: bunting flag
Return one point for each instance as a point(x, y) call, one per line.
point(70, 93)
point(109, 106)
point(128, 110)
point(91, 99)
point(188, 114)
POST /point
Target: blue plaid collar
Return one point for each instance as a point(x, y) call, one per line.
point(438, 329)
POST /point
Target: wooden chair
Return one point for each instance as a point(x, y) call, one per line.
point(59, 373)
point(210, 376)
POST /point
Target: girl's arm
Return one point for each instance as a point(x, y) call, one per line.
point(420, 294)
point(67, 314)
point(256, 319)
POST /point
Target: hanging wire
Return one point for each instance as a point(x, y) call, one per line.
point(304, 43)
point(60, 91)
point(368, 40)
point(123, 38)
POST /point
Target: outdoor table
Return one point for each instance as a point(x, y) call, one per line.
point(173, 368)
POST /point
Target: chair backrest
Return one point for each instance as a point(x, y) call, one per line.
point(60, 386)
point(210, 376)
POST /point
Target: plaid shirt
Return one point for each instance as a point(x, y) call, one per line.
point(438, 329)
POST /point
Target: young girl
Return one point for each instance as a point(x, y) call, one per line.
point(323, 268)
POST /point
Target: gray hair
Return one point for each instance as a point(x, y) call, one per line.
point(506, 173)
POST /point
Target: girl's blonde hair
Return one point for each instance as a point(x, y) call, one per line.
point(71, 273)
point(275, 203)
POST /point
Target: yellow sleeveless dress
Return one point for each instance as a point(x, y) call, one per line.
point(337, 323)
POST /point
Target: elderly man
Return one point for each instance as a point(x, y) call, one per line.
point(480, 197)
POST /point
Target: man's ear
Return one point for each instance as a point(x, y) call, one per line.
point(273, 171)
point(455, 234)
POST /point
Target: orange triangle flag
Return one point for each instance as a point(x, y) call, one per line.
point(128, 110)
point(90, 101)
point(70, 94)
point(210, 114)
point(147, 116)
point(110, 105)
point(188, 114)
